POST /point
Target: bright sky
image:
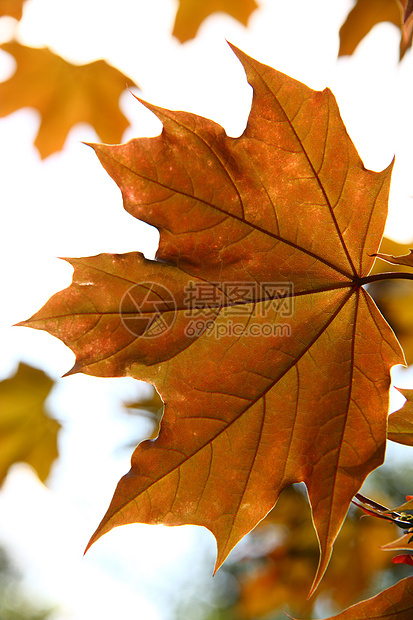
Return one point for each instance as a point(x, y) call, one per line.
point(68, 206)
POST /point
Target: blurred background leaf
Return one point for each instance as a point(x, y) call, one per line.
point(368, 13)
point(272, 570)
point(27, 433)
point(13, 8)
point(148, 406)
point(400, 425)
point(394, 298)
point(64, 94)
point(191, 14)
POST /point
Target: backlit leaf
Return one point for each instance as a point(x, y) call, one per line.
point(64, 94)
point(275, 228)
point(27, 433)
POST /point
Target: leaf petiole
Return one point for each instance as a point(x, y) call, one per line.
point(387, 275)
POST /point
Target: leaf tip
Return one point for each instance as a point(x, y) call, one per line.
point(92, 145)
point(75, 369)
point(22, 323)
point(238, 53)
point(159, 112)
point(90, 543)
point(321, 569)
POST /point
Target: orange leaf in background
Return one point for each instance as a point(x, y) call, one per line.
point(368, 13)
point(13, 8)
point(268, 581)
point(276, 228)
point(400, 424)
point(394, 297)
point(27, 433)
point(395, 603)
point(406, 259)
point(64, 94)
point(191, 14)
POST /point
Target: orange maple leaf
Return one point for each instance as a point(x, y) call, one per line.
point(272, 234)
point(368, 13)
point(64, 94)
point(191, 14)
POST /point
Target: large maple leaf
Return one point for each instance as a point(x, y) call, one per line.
point(64, 94)
point(273, 233)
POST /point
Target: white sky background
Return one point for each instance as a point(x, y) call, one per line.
point(68, 206)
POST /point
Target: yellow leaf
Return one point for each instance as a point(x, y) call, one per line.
point(368, 13)
point(64, 94)
point(27, 433)
point(191, 14)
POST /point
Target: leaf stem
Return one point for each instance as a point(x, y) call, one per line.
point(387, 275)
